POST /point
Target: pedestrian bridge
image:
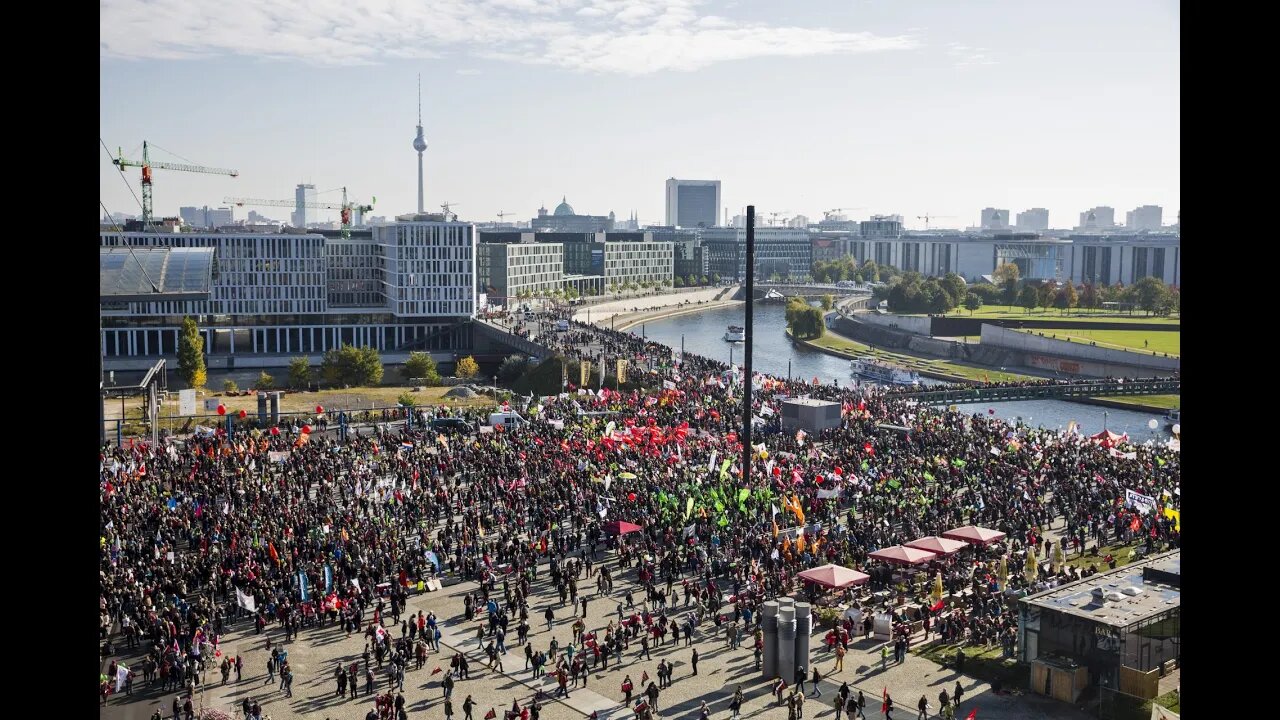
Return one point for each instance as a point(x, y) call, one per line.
point(1066, 390)
point(806, 290)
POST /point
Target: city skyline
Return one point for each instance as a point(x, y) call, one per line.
point(936, 110)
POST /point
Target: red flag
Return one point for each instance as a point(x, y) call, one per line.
point(937, 606)
point(437, 670)
point(491, 714)
point(884, 705)
point(271, 550)
point(973, 714)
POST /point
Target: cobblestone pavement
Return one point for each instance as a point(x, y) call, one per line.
point(314, 654)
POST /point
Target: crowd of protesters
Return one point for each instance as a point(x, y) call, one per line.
point(294, 528)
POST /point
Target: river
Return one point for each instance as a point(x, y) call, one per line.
point(703, 334)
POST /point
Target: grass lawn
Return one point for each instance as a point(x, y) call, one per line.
point(1002, 312)
point(1119, 552)
point(957, 371)
point(1171, 701)
point(1167, 402)
point(1161, 342)
point(982, 663)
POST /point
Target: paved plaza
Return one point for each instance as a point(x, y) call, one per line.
point(315, 653)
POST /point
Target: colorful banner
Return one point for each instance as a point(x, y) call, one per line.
point(622, 371)
point(1140, 502)
point(584, 374)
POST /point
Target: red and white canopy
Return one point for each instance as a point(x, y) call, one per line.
point(903, 555)
point(974, 535)
point(834, 576)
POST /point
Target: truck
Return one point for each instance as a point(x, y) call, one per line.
point(506, 418)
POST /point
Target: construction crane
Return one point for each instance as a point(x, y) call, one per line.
point(445, 206)
point(773, 216)
point(927, 217)
point(502, 214)
point(147, 166)
point(345, 209)
point(828, 213)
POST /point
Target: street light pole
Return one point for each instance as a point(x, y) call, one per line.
point(750, 334)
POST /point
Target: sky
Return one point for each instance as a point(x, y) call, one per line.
point(913, 107)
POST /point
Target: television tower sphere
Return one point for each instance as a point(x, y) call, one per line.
point(420, 143)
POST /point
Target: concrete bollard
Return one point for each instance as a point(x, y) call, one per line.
point(804, 628)
point(787, 645)
point(769, 655)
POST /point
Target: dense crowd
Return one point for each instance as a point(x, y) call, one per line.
point(300, 530)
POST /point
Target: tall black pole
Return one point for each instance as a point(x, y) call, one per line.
point(746, 349)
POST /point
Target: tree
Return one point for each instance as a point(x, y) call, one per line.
point(679, 281)
point(715, 278)
point(955, 287)
point(1029, 298)
point(1066, 297)
point(299, 372)
point(230, 386)
point(1151, 295)
point(1045, 294)
point(690, 280)
point(420, 365)
point(828, 301)
point(265, 381)
point(1089, 295)
point(1006, 272)
point(706, 281)
point(406, 399)
point(191, 354)
point(350, 365)
point(467, 368)
point(512, 367)
point(805, 321)
point(972, 302)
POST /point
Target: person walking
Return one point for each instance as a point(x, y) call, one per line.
point(839, 706)
point(694, 661)
point(862, 706)
point(817, 692)
point(448, 709)
point(840, 652)
point(627, 687)
point(800, 676)
point(735, 705)
point(923, 705)
point(467, 706)
point(884, 657)
point(888, 705)
point(957, 694)
point(653, 695)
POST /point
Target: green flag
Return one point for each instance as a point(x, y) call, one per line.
point(894, 484)
point(928, 477)
point(688, 508)
point(743, 494)
point(959, 463)
point(724, 468)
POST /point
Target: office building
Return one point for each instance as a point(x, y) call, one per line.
point(564, 219)
point(1147, 217)
point(995, 219)
point(693, 203)
point(1099, 218)
point(638, 261)
point(1033, 220)
point(509, 271)
point(689, 257)
point(881, 226)
point(407, 285)
point(206, 217)
point(304, 196)
point(780, 251)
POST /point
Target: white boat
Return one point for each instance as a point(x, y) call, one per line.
point(735, 334)
point(883, 372)
point(1172, 418)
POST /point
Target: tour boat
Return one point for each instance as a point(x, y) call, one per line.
point(735, 334)
point(883, 372)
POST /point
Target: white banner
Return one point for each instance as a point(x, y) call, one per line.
point(246, 601)
point(828, 494)
point(187, 402)
point(278, 456)
point(1143, 503)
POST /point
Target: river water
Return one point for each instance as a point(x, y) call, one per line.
point(703, 334)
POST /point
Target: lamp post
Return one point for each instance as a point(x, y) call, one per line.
point(1104, 420)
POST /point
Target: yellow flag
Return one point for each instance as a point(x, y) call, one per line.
point(584, 374)
point(622, 371)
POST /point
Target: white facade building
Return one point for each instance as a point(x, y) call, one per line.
point(1147, 217)
point(1033, 220)
point(638, 262)
point(509, 269)
point(1099, 218)
point(693, 203)
point(995, 219)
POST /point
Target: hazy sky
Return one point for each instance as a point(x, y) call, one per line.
point(888, 106)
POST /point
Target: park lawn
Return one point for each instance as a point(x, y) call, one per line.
point(957, 371)
point(1003, 312)
point(1162, 342)
point(982, 663)
point(1119, 552)
point(1171, 701)
point(1168, 402)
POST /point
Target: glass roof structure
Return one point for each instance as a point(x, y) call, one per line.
point(142, 274)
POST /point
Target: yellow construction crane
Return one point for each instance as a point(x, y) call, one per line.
point(927, 217)
point(147, 166)
point(345, 209)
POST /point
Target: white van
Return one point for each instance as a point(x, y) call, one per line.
point(506, 418)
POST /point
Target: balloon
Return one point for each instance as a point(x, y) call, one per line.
point(243, 414)
point(631, 497)
point(306, 429)
point(839, 470)
point(764, 454)
point(777, 471)
point(1152, 424)
point(222, 409)
point(275, 431)
point(732, 437)
point(319, 410)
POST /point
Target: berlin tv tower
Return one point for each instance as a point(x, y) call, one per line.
point(420, 144)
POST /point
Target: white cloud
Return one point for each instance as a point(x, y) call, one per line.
point(966, 56)
point(630, 37)
point(468, 71)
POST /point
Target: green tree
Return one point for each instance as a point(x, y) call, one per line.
point(1045, 294)
point(828, 301)
point(972, 302)
point(265, 381)
point(955, 287)
point(191, 354)
point(1066, 297)
point(806, 322)
point(1029, 298)
point(1005, 272)
point(1151, 295)
point(229, 386)
point(421, 365)
point(406, 399)
point(775, 277)
point(467, 368)
point(350, 365)
point(679, 281)
point(706, 281)
point(299, 372)
point(512, 367)
point(715, 278)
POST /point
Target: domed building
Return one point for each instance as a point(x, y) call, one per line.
point(564, 219)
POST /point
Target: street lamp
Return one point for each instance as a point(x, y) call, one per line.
point(1104, 420)
point(495, 388)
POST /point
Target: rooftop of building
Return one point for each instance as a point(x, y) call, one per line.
point(808, 402)
point(1158, 577)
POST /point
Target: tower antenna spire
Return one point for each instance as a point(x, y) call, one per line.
point(419, 98)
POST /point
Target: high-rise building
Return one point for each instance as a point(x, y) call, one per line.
point(881, 226)
point(995, 219)
point(1147, 217)
point(799, 221)
point(206, 217)
point(1035, 219)
point(1099, 218)
point(692, 203)
point(303, 196)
